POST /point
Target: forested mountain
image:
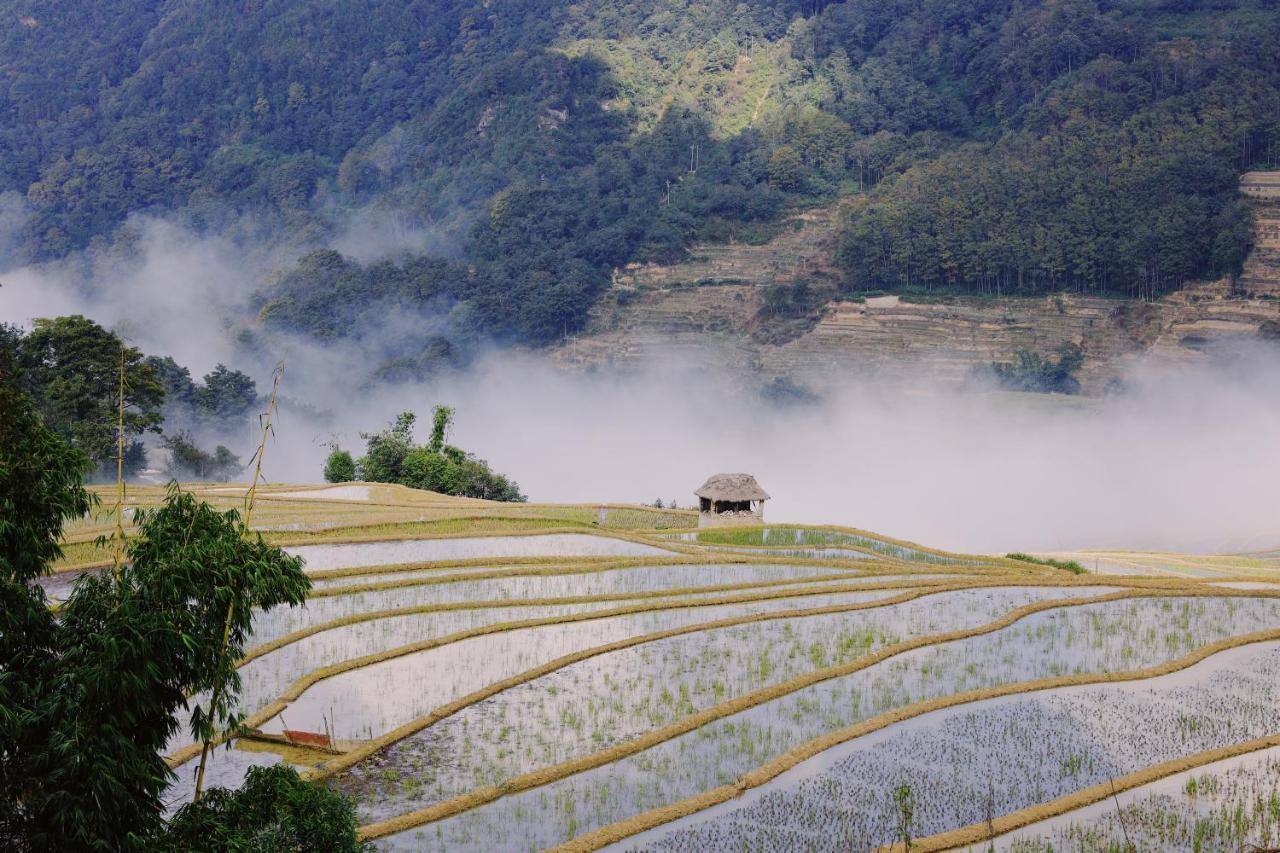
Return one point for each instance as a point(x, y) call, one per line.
point(990, 145)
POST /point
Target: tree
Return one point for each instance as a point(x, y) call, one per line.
point(89, 700)
point(131, 648)
point(786, 169)
point(435, 472)
point(40, 490)
point(71, 365)
point(392, 457)
point(339, 467)
point(179, 390)
point(274, 810)
point(188, 461)
point(386, 450)
point(226, 397)
point(441, 419)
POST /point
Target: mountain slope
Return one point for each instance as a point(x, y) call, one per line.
point(718, 308)
point(989, 146)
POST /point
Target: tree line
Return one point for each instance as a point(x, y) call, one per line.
point(90, 694)
point(71, 367)
point(992, 146)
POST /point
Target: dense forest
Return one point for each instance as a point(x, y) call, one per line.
point(75, 371)
point(989, 146)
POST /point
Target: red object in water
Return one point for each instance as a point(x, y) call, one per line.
point(309, 738)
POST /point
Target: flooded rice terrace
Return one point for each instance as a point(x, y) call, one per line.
point(747, 688)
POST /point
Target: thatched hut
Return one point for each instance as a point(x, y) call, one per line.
point(731, 499)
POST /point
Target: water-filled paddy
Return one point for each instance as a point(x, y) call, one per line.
point(595, 703)
point(968, 763)
point(457, 588)
point(1232, 804)
point(1105, 637)
point(387, 695)
point(321, 557)
point(380, 697)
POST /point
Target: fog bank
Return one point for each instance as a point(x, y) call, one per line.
point(1182, 460)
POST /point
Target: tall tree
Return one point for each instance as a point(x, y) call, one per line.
point(70, 365)
point(40, 490)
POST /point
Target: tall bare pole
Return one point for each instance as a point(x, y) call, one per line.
point(250, 498)
point(119, 556)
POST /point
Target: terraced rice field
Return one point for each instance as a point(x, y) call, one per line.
point(521, 678)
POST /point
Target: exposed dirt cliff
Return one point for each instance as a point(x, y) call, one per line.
point(724, 306)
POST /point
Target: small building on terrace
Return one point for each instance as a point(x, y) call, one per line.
point(730, 499)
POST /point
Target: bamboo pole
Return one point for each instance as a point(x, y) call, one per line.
point(119, 553)
point(250, 498)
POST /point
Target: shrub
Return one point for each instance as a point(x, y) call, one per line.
point(339, 467)
point(1066, 565)
point(275, 810)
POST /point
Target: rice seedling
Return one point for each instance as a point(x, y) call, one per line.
point(1228, 805)
point(604, 700)
point(657, 580)
point(1019, 751)
point(1106, 637)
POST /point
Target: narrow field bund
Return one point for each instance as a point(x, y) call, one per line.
point(1172, 807)
point(495, 520)
point(621, 830)
point(650, 603)
point(648, 820)
point(969, 763)
point(545, 572)
point(617, 696)
point(867, 580)
point(305, 681)
point(965, 837)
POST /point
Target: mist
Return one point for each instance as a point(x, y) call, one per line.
point(1186, 458)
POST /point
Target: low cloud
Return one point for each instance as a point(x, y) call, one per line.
point(1184, 459)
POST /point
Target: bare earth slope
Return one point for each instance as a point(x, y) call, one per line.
point(712, 308)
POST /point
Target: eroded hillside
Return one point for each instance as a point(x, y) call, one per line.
point(728, 305)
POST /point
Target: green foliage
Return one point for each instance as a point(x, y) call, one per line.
point(385, 451)
point(275, 811)
point(130, 648)
point(40, 490)
point(392, 457)
point(786, 169)
point(1032, 372)
point(904, 799)
point(40, 483)
point(218, 574)
point(441, 417)
point(1106, 160)
point(1007, 148)
point(226, 397)
point(88, 700)
point(222, 401)
point(339, 467)
point(188, 461)
point(71, 367)
point(1066, 565)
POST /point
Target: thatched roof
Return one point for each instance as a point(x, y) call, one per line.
point(732, 487)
